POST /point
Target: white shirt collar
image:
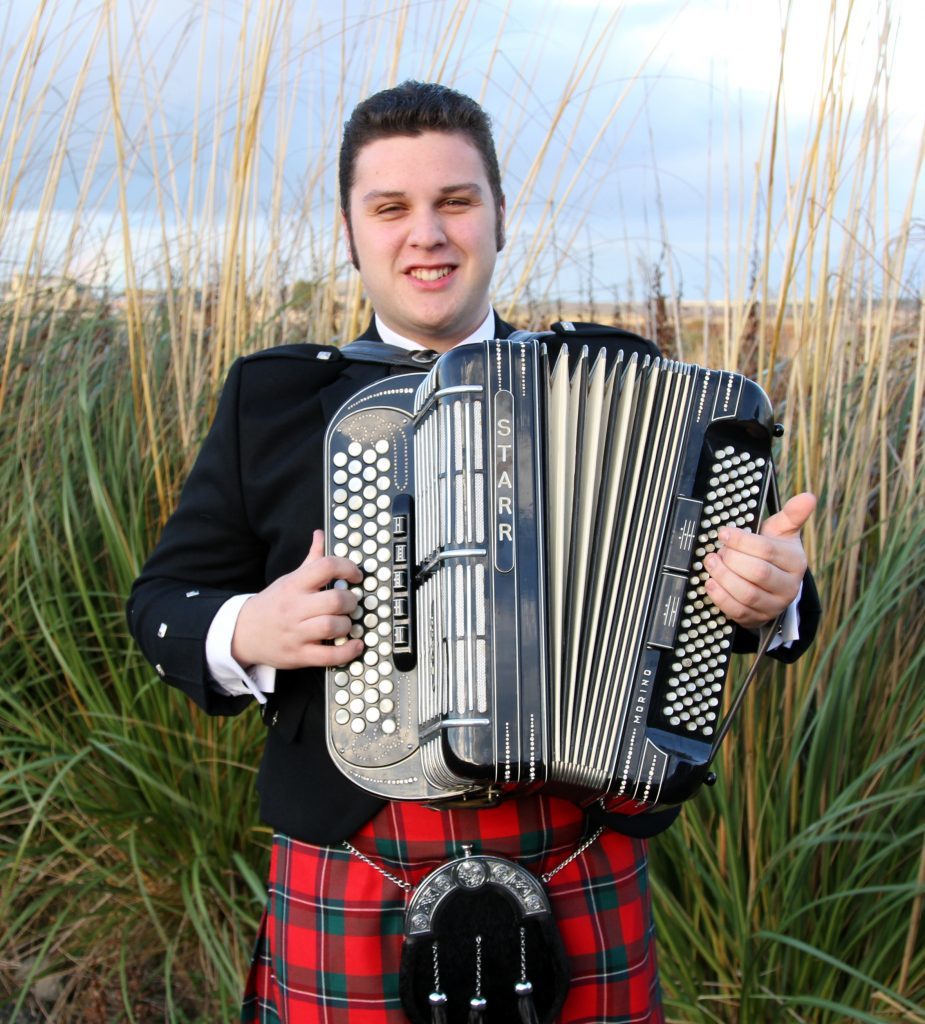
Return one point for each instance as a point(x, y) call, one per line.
point(484, 331)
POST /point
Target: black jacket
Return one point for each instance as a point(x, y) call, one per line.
point(245, 517)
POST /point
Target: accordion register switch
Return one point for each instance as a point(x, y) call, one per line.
point(531, 523)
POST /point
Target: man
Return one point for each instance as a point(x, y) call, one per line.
point(230, 605)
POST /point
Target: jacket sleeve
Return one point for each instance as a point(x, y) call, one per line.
point(207, 553)
point(809, 611)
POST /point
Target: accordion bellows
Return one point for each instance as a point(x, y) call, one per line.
point(531, 522)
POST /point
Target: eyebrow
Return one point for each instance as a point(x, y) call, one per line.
point(465, 186)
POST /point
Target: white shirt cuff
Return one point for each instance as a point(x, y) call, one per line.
point(789, 627)
point(230, 677)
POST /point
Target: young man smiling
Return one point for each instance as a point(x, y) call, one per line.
point(230, 607)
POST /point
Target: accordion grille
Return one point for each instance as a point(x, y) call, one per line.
point(450, 534)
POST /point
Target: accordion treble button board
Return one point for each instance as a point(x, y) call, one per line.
point(691, 694)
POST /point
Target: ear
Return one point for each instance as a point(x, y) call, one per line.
point(348, 237)
point(500, 237)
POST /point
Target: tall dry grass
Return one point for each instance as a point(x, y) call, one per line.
point(792, 892)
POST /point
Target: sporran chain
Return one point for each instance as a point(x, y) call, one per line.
point(546, 877)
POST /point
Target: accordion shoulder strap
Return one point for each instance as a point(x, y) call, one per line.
point(364, 351)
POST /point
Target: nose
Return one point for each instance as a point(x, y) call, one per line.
point(426, 230)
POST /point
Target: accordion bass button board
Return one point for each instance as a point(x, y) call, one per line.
point(532, 524)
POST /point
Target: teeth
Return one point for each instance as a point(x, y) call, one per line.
point(430, 275)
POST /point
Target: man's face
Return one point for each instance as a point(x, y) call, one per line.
point(423, 230)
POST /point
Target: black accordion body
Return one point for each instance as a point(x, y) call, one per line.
point(531, 522)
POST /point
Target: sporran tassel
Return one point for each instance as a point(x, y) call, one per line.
point(477, 1004)
point(438, 1008)
point(437, 999)
point(526, 1009)
point(477, 1009)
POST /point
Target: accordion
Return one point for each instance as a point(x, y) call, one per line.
point(531, 521)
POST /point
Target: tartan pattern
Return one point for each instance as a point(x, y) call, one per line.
point(330, 940)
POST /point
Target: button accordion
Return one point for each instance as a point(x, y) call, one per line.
point(531, 522)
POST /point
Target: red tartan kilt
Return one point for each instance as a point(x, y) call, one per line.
point(330, 940)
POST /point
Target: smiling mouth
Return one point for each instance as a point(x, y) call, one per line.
point(429, 273)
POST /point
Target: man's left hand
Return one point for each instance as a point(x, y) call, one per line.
point(755, 576)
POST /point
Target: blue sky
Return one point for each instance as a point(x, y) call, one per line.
point(670, 175)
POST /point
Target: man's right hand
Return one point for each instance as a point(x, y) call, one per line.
point(286, 624)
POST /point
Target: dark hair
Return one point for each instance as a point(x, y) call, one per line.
point(410, 109)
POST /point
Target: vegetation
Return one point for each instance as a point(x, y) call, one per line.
point(131, 857)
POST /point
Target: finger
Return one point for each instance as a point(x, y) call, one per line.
point(322, 571)
point(318, 655)
point(785, 553)
point(748, 596)
point(789, 521)
point(733, 609)
point(326, 627)
point(316, 551)
point(328, 602)
point(777, 582)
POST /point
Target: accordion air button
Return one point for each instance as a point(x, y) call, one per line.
point(388, 726)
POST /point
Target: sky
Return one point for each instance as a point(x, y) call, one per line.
point(652, 160)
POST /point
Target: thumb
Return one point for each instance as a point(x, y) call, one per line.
point(316, 551)
point(789, 521)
